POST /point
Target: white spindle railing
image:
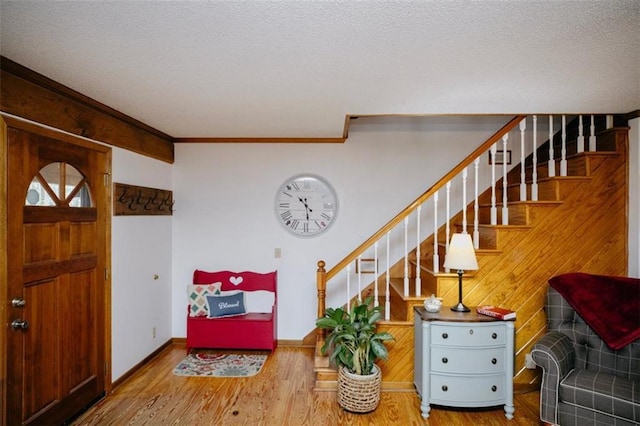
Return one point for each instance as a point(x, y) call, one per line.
point(447, 231)
point(436, 255)
point(552, 161)
point(464, 200)
point(476, 206)
point(580, 140)
point(406, 258)
point(494, 208)
point(505, 207)
point(563, 152)
point(418, 280)
point(387, 288)
point(523, 173)
point(375, 280)
point(359, 269)
point(485, 179)
point(534, 173)
point(349, 288)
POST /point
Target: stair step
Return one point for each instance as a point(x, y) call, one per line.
point(513, 277)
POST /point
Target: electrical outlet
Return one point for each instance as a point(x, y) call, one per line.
point(154, 332)
point(528, 362)
point(277, 253)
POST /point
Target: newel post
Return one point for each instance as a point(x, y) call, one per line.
point(321, 283)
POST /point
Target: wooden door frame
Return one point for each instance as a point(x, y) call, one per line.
point(9, 121)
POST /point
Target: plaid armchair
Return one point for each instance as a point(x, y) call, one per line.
point(584, 382)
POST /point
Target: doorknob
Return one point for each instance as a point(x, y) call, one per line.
point(19, 324)
point(17, 302)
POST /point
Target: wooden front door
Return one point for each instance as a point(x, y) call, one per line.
point(57, 270)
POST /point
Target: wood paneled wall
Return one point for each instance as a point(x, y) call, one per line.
point(580, 225)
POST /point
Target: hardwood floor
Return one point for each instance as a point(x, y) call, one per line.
point(281, 394)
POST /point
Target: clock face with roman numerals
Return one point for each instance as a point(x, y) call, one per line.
point(306, 205)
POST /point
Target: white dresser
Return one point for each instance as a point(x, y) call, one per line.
point(463, 360)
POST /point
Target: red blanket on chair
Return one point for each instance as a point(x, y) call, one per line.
point(609, 305)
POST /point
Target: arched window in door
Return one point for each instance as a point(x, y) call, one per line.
point(59, 185)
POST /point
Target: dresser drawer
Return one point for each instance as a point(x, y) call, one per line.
point(462, 360)
point(468, 391)
point(468, 335)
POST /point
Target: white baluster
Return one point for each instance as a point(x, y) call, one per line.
point(505, 209)
point(375, 279)
point(476, 207)
point(436, 256)
point(609, 121)
point(406, 256)
point(387, 299)
point(563, 161)
point(523, 185)
point(534, 178)
point(592, 135)
point(464, 200)
point(580, 140)
point(418, 281)
point(447, 216)
point(359, 269)
point(494, 209)
point(349, 287)
point(552, 161)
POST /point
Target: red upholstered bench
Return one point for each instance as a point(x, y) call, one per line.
point(255, 329)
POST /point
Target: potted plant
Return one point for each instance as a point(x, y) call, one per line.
point(355, 346)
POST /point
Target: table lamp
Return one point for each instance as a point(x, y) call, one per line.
point(461, 256)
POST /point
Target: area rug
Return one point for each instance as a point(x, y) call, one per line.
point(220, 365)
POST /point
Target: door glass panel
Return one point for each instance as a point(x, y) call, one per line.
point(59, 184)
point(37, 196)
point(82, 197)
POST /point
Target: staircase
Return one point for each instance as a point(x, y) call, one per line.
point(577, 223)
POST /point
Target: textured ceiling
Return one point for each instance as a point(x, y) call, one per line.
point(296, 68)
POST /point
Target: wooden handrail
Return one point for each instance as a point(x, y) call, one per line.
point(425, 196)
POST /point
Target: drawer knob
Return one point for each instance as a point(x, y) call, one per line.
point(494, 388)
point(445, 388)
point(494, 361)
point(445, 335)
point(494, 336)
point(445, 360)
point(471, 331)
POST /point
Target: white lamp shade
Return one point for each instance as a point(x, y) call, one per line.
point(461, 254)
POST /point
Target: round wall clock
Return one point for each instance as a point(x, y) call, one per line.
point(306, 205)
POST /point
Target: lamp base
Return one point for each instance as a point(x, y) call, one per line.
point(460, 307)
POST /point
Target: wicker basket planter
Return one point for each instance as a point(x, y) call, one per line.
point(358, 393)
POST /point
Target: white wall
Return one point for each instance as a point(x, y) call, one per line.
point(224, 216)
point(141, 248)
point(634, 198)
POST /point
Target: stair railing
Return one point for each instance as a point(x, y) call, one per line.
point(490, 146)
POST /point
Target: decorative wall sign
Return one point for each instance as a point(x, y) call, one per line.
point(132, 200)
point(366, 266)
point(500, 157)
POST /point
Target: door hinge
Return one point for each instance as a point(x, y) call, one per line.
point(106, 274)
point(106, 368)
point(107, 179)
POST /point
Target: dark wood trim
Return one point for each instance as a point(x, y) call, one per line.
point(259, 140)
point(45, 82)
point(141, 364)
point(4, 277)
point(631, 115)
point(27, 94)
